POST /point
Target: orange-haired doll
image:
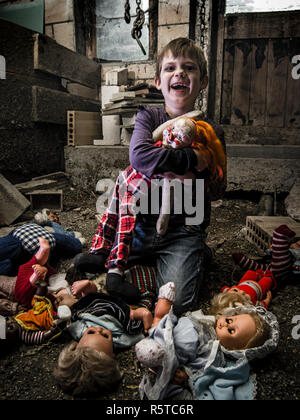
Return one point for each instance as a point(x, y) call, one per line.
point(187, 132)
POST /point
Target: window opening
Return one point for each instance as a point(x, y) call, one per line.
point(114, 38)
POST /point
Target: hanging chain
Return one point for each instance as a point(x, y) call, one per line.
point(202, 16)
point(202, 23)
point(127, 16)
point(136, 32)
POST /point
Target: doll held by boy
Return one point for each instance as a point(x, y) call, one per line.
point(187, 132)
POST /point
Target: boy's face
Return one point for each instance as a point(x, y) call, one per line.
point(99, 339)
point(180, 83)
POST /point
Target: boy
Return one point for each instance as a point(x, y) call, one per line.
point(181, 75)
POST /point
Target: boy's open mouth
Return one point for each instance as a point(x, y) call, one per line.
point(179, 86)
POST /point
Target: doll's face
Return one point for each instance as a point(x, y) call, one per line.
point(99, 339)
point(180, 134)
point(184, 130)
point(238, 292)
point(234, 332)
point(53, 217)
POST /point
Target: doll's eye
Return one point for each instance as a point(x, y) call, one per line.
point(231, 331)
point(91, 332)
point(228, 320)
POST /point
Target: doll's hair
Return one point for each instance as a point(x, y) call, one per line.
point(262, 332)
point(85, 370)
point(183, 47)
point(227, 300)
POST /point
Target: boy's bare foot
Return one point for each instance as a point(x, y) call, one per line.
point(83, 287)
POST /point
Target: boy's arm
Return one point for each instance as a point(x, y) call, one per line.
point(148, 159)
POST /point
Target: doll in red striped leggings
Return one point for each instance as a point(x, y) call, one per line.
point(283, 260)
point(261, 278)
point(256, 285)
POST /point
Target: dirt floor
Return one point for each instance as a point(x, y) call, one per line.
point(26, 371)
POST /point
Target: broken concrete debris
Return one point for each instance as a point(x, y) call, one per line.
point(40, 192)
point(12, 203)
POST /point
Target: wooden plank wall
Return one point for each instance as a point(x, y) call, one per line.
point(257, 86)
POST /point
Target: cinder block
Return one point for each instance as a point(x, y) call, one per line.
point(83, 127)
point(116, 77)
point(12, 202)
point(259, 229)
point(110, 124)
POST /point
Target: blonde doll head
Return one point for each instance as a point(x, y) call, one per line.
point(223, 301)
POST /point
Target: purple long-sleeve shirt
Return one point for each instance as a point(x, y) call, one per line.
point(151, 160)
point(148, 159)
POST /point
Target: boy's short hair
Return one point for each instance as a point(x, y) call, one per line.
point(85, 370)
point(184, 47)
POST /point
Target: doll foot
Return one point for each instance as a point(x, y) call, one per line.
point(167, 291)
point(284, 230)
point(83, 287)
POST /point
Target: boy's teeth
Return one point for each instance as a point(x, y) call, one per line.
point(179, 86)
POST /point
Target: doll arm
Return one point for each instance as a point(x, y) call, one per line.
point(267, 301)
point(158, 132)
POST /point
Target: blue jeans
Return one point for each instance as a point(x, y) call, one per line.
point(12, 253)
point(67, 246)
point(179, 258)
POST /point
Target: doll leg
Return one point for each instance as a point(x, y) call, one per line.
point(166, 298)
point(281, 256)
point(39, 273)
point(83, 287)
point(43, 253)
point(267, 283)
point(242, 261)
point(144, 315)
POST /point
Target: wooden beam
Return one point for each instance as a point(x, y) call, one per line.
point(51, 106)
point(262, 25)
point(57, 60)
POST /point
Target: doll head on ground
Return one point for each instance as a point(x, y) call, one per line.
point(257, 335)
point(89, 365)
